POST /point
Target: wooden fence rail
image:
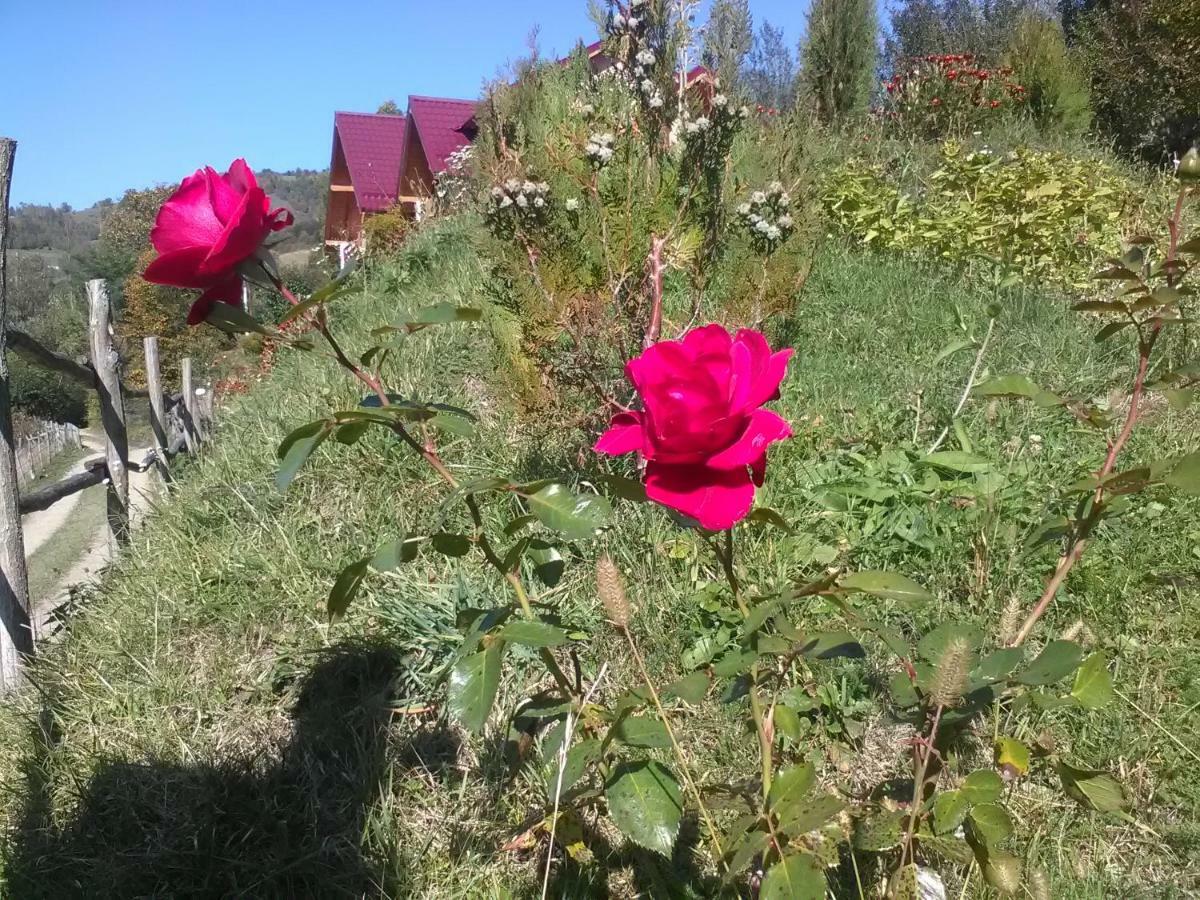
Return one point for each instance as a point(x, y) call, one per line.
point(179, 423)
point(35, 451)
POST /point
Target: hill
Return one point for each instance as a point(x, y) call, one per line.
point(74, 231)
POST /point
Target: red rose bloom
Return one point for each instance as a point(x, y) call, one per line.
point(206, 229)
point(702, 430)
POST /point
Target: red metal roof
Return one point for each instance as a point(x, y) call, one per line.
point(443, 126)
point(373, 145)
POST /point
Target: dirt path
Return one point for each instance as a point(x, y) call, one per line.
point(40, 528)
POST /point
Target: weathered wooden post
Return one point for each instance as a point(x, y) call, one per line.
point(190, 435)
point(158, 411)
point(112, 408)
point(16, 632)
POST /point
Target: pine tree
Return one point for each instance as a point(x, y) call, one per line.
point(839, 57)
point(727, 39)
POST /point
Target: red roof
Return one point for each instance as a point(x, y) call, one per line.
point(443, 126)
point(373, 145)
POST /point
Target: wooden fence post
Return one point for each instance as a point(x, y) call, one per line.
point(112, 408)
point(158, 411)
point(190, 435)
point(16, 631)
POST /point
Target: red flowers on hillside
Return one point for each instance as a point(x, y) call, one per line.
point(944, 92)
point(207, 229)
point(702, 429)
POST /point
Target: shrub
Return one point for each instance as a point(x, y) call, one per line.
point(1057, 96)
point(1045, 214)
point(384, 233)
point(46, 395)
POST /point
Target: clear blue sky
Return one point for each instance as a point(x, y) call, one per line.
point(103, 95)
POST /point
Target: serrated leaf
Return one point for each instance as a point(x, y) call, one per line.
point(950, 810)
point(645, 803)
point(574, 516)
point(1110, 329)
point(1056, 661)
point(981, 786)
point(790, 786)
point(1093, 683)
point(991, 823)
point(798, 876)
point(641, 731)
point(1186, 474)
point(474, 681)
point(345, 588)
point(578, 759)
point(1093, 788)
point(885, 584)
point(690, 689)
point(831, 645)
point(999, 663)
point(880, 831)
point(453, 424)
point(234, 320)
point(534, 634)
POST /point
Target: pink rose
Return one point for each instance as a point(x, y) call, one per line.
point(702, 430)
point(205, 230)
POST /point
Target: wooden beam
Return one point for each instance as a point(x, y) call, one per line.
point(158, 412)
point(16, 631)
point(341, 187)
point(190, 432)
point(112, 407)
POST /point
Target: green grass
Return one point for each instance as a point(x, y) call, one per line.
point(201, 731)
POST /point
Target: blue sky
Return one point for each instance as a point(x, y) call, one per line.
point(108, 94)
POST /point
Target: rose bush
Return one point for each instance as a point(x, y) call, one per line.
point(207, 229)
point(702, 429)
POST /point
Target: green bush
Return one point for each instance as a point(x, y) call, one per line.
point(46, 395)
point(1057, 96)
point(1046, 214)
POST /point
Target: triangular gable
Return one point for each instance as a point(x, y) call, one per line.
point(373, 146)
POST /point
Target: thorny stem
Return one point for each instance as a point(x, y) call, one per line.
point(922, 770)
point(435, 462)
point(654, 267)
point(1081, 532)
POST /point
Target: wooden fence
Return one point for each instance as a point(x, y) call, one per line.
point(178, 422)
point(35, 451)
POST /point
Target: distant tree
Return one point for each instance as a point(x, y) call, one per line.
point(838, 62)
point(1142, 65)
point(728, 37)
point(1056, 85)
point(981, 27)
point(389, 108)
point(769, 75)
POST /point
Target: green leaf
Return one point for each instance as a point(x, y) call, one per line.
point(345, 589)
point(394, 553)
point(234, 320)
point(957, 461)
point(641, 731)
point(352, 432)
point(999, 663)
point(473, 684)
point(690, 689)
point(453, 424)
point(759, 615)
point(1093, 684)
point(579, 758)
point(885, 584)
point(954, 347)
point(548, 564)
point(934, 644)
point(625, 488)
point(981, 786)
point(645, 803)
point(787, 722)
point(743, 848)
point(949, 811)
point(879, 831)
point(766, 516)
point(831, 645)
point(790, 786)
point(1017, 386)
point(991, 823)
point(1093, 788)
point(1056, 661)
point(574, 516)
point(734, 663)
point(809, 815)
point(1110, 329)
point(296, 448)
point(798, 876)
point(441, 314)
point(1186, 474)
point(448, 544)
point(534, 634)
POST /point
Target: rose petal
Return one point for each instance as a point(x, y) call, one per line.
point(243, 235)
point(187, 218)
point(180, 268)
point(240, 176)
point(711, 339)
point(749, 355)
point(715, 499)
point(624, 435)
point(763, 428)
point(766, 383)
point(224, 197)
point(281, 218)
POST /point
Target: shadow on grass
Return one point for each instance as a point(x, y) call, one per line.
point(290, 827)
